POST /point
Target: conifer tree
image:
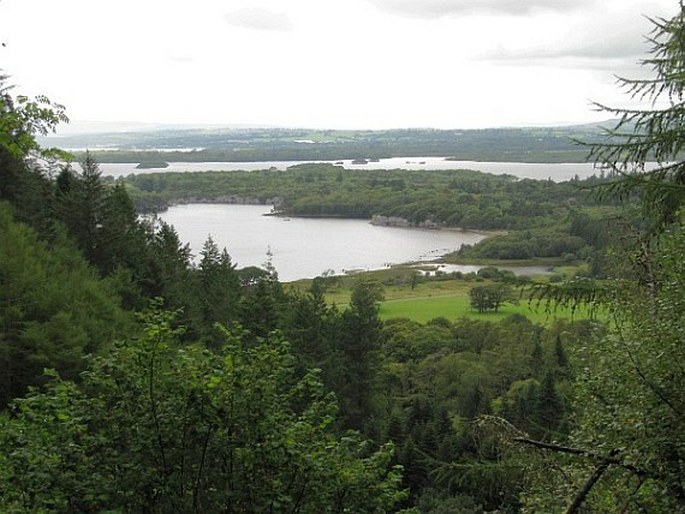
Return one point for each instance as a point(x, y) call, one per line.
point(217, 290)
point(628, 439)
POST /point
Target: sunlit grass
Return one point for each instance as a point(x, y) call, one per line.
point(452, 307)
point(450, 299)
point(447, 298)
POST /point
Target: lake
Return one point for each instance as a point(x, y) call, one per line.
point(557, 172)
point(307, 247)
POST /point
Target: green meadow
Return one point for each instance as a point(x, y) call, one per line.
point(443, 298)
point(451, 307)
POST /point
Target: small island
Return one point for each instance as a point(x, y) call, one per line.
point(147, 165)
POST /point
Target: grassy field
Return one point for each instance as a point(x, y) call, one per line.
point(457, 306)
point(439, 298)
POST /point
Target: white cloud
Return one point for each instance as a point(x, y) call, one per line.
point(602, 39)
point(441, 8)
point(182, 59)
point(345, 63)
point(258, 18)
point(592, 51)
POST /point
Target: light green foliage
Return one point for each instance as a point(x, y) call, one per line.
point(158, 428)
point(632, 391)
point(626, 451)
point(21, 183)
point(628, 403)
point(22, 118)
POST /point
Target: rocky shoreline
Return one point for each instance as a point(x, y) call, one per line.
point(396, 221)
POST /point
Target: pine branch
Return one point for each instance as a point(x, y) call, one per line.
point(610, 459)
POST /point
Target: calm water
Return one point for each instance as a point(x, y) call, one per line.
point(306, 247)
point(558, 172)
point(468, 268)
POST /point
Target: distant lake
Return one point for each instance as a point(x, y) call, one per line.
point(558, 172)
point(307, 247)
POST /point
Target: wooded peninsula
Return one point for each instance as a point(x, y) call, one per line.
point(542, 218)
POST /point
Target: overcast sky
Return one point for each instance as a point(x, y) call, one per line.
point(327, 63)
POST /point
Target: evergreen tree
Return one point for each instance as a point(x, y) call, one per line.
point(537, 357)
point(53, 310)
point(309, 325)
point(121, 240)
point(217, 290)
point(561, 362)
point(358, 344)
point(168, 266)
point(91, 196)
point(548, 406)
point(264, 303)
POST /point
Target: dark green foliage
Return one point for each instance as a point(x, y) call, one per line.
point(560, 357)
point(121, 241)
point(168, 265)
point(264, 303)
point(435, 501)
point(53, 309)
point(489, 298)
point(438, 379)
point(311, 327)
point(157, 428)
point(457, 197)
point(357, 346)
point(216, 292)
point(27, 188)
point(104, 224)
point(82, 208)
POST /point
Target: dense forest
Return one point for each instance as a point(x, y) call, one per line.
point(553, 144)
point(135, 380)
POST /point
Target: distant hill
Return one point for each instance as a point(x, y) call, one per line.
point(222, 144)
